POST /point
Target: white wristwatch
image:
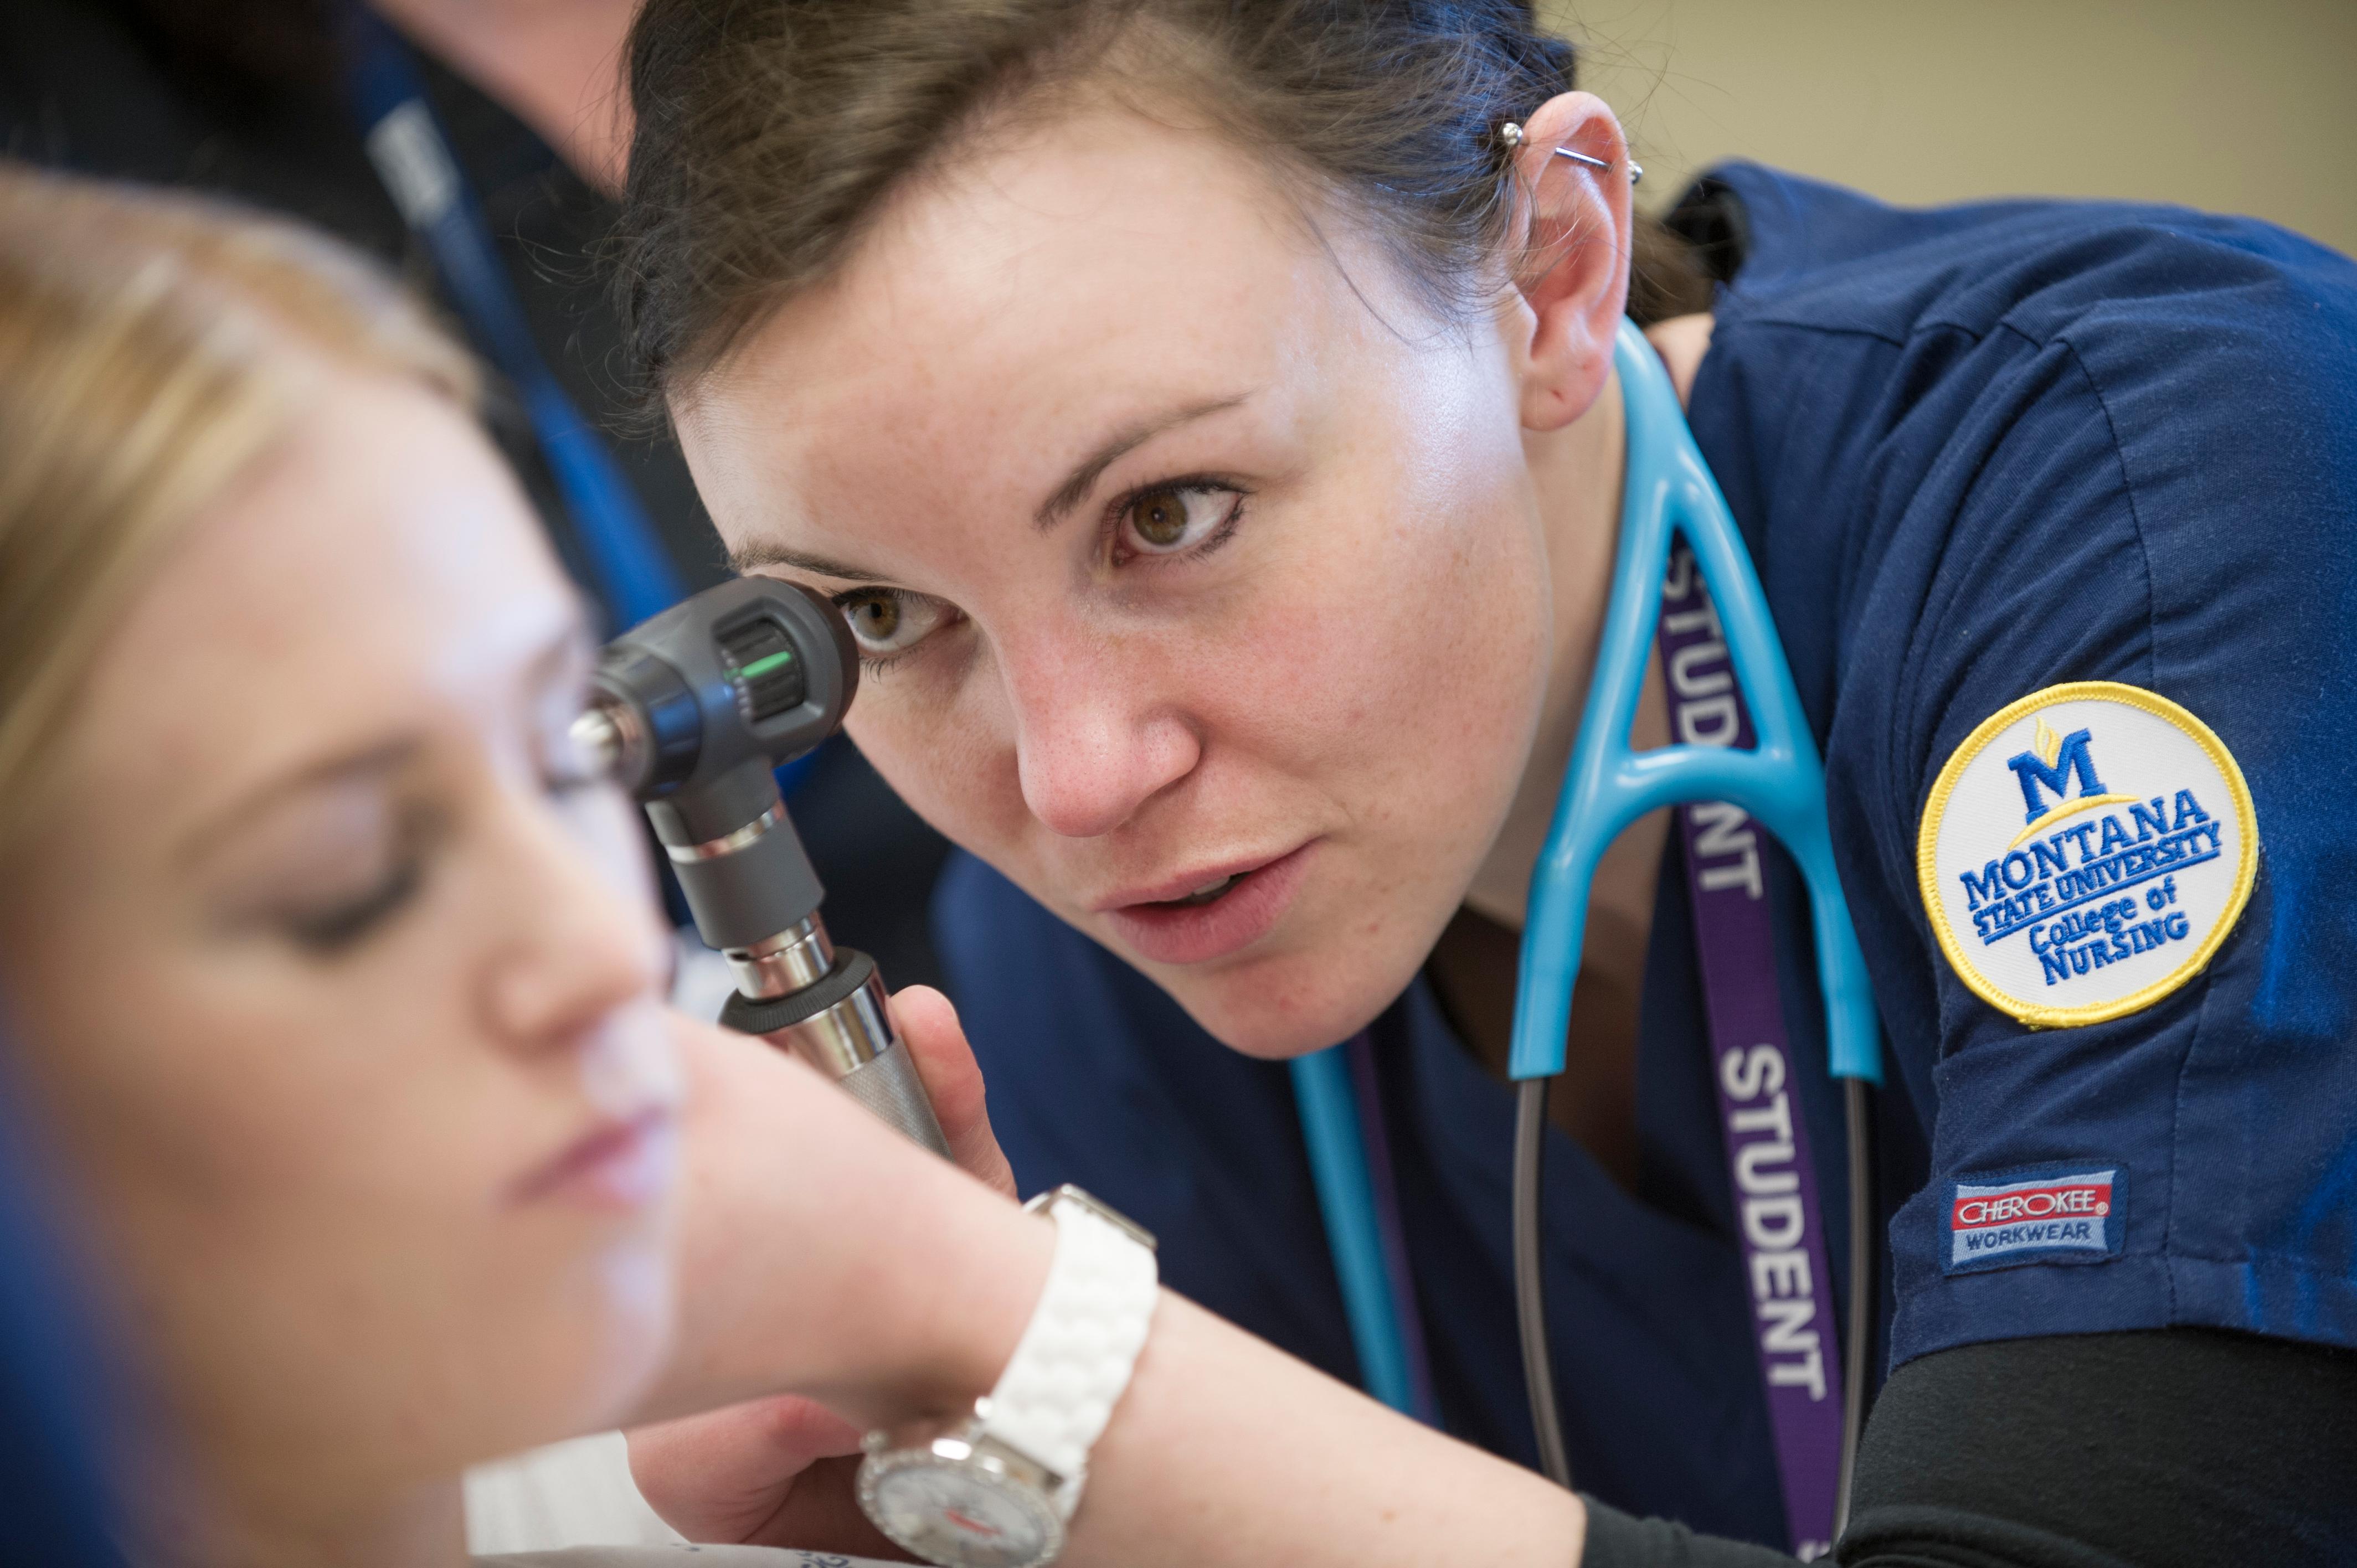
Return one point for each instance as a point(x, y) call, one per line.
point(994, 1488)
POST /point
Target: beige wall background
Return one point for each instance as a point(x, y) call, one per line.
point(2244, 107)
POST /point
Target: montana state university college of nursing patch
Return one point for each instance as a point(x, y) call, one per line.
point(2085, 853)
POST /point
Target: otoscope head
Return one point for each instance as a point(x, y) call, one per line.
point(690, 712)
point(693, 708)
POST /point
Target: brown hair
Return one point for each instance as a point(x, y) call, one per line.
point(152, 347)
point(770, 132)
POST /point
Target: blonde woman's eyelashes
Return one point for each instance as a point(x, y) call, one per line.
point(326, 925)
point(328, 932)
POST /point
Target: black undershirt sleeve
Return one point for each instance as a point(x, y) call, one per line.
point(2165, 1449)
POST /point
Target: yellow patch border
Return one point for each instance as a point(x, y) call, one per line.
point(1927, 873)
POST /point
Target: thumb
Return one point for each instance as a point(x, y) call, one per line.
point(952, 1082)
point(724, 1474)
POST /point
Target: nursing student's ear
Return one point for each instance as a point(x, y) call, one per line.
point(1568, 249)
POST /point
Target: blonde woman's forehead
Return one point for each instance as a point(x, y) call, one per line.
point(376, 576)
point(154, 346)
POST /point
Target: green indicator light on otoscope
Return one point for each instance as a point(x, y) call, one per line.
point(761, 667)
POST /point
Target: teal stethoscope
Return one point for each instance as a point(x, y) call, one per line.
point(1667, 491)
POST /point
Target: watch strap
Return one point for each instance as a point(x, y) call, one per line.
point(1075, 1358)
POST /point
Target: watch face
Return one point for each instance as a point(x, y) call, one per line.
point(957, 1513)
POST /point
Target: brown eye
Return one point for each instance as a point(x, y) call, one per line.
point(1172, 518)
point(886, 620)
point(874, 618)
point(1160, 517)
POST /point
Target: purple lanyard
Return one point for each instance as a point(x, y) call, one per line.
point(1769, 1169)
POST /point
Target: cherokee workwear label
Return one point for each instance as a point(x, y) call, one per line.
point(2032, 1216)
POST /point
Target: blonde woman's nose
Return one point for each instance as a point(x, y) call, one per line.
point(581, 941)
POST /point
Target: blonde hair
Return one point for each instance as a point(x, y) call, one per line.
point(152, 345)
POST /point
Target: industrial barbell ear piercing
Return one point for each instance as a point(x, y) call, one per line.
point(1511, 136)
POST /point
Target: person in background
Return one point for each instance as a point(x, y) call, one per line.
point(248, 99)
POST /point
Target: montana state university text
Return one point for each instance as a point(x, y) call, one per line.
point(2089, 860)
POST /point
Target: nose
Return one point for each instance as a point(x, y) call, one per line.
point(580, 939)
point(1097, 735)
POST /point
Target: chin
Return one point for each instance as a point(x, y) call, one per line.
point(1290, 1006)
point(642, 1311)
point(606, 1341)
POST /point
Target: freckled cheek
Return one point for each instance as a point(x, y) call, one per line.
point(949, 763)
point(1411, 661)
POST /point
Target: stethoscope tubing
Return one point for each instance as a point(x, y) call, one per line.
point(1530, 1278)
point(1668, 491)
point(1864, 1276)
point(1530, 1288)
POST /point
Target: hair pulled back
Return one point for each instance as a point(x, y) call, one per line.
point(152, 345)
point(770, 132)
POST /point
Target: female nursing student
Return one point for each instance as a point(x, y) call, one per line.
point(1205, 414)
point(333, 979)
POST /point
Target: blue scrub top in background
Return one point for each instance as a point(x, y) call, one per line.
point(1975, 452)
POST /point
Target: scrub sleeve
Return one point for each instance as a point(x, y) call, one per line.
point(1987, 452)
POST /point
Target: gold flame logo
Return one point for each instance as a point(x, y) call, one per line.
point(2046, 742)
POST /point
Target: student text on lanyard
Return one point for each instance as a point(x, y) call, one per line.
point(1770, 1177)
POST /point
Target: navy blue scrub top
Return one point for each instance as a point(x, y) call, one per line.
point(1975, 452)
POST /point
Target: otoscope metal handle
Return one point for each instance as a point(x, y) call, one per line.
point(842, 1027)
point(889, 1087)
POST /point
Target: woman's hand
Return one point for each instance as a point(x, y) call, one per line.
point(769, 1472)
point(953, 1083)
point(777, 1470)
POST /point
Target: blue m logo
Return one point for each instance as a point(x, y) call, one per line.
point(2050, 763)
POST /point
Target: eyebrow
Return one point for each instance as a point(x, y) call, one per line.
point(1084, 475)
point(747, 559)
point(379, 758)
point(371, 762)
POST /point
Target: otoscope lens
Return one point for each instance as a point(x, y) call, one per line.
point(598, 740)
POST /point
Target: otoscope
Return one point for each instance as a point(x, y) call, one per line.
point(690, 712)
